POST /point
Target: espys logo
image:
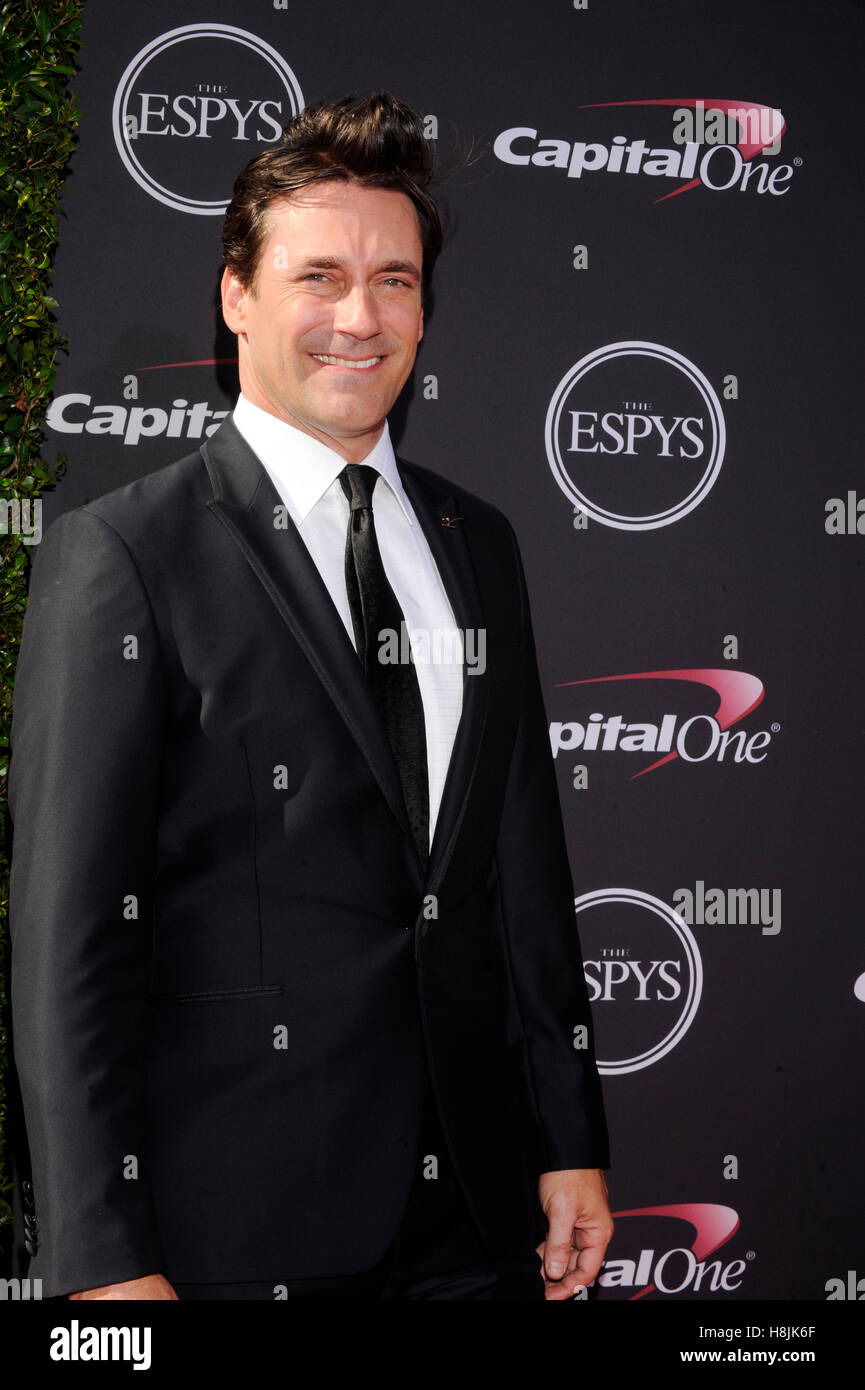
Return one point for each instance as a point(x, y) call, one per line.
point(213, 90)
point(644, 976)
point(657, 1265)
point(714, 144)
point(695, 738)
point(635, 435)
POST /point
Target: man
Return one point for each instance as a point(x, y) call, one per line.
point(297, 989)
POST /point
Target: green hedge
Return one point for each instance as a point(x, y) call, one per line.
point(38, 118)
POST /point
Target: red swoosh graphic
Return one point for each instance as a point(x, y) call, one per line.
point(747, 148)
point(738, 693)
point(201, 362)
point(713, 1226)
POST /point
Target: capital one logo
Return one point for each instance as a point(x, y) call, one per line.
point(699, 738)
point(635, 435)
point(192, 108)
point(644, 976)
point(714, 145)
point(658, 1262)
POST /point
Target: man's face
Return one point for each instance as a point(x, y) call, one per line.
point(328, 336)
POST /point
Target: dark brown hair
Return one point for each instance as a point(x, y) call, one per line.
point(377, 142)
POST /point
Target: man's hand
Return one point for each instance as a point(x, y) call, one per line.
point(579, 1227)
point(152, 1286)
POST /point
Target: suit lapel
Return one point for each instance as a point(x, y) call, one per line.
point(439, 514)
point(247, 503)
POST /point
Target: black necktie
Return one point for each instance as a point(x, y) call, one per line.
point(379, 630)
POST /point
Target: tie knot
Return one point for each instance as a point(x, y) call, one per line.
point(358, 481)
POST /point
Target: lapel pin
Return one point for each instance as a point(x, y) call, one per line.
point(451, 521)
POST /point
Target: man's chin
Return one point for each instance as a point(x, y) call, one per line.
point(339, 428)
point(350, 413)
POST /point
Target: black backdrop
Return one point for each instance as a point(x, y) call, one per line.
point(732, 1042)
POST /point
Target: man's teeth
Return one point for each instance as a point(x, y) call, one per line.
point(345, 361)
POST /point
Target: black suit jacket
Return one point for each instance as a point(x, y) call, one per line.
point(228, 964)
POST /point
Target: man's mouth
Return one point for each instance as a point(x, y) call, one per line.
point(355, 363)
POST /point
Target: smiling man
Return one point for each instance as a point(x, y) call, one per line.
point(326, 340)
point(297, 992)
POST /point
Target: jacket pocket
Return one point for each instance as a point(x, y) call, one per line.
point(210, 996)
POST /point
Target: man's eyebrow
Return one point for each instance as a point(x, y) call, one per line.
point(322, 263)
point(337, 263)
point(401, 268)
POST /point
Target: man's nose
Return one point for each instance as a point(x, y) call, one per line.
point(356, 313)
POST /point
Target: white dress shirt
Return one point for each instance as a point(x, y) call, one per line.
point(305, 474)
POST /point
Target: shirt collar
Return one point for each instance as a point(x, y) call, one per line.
point(305, 467)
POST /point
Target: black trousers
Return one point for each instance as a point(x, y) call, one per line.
point(437, 1253)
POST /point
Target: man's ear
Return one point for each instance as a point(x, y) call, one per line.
point(420, 326)
point(233, 301)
